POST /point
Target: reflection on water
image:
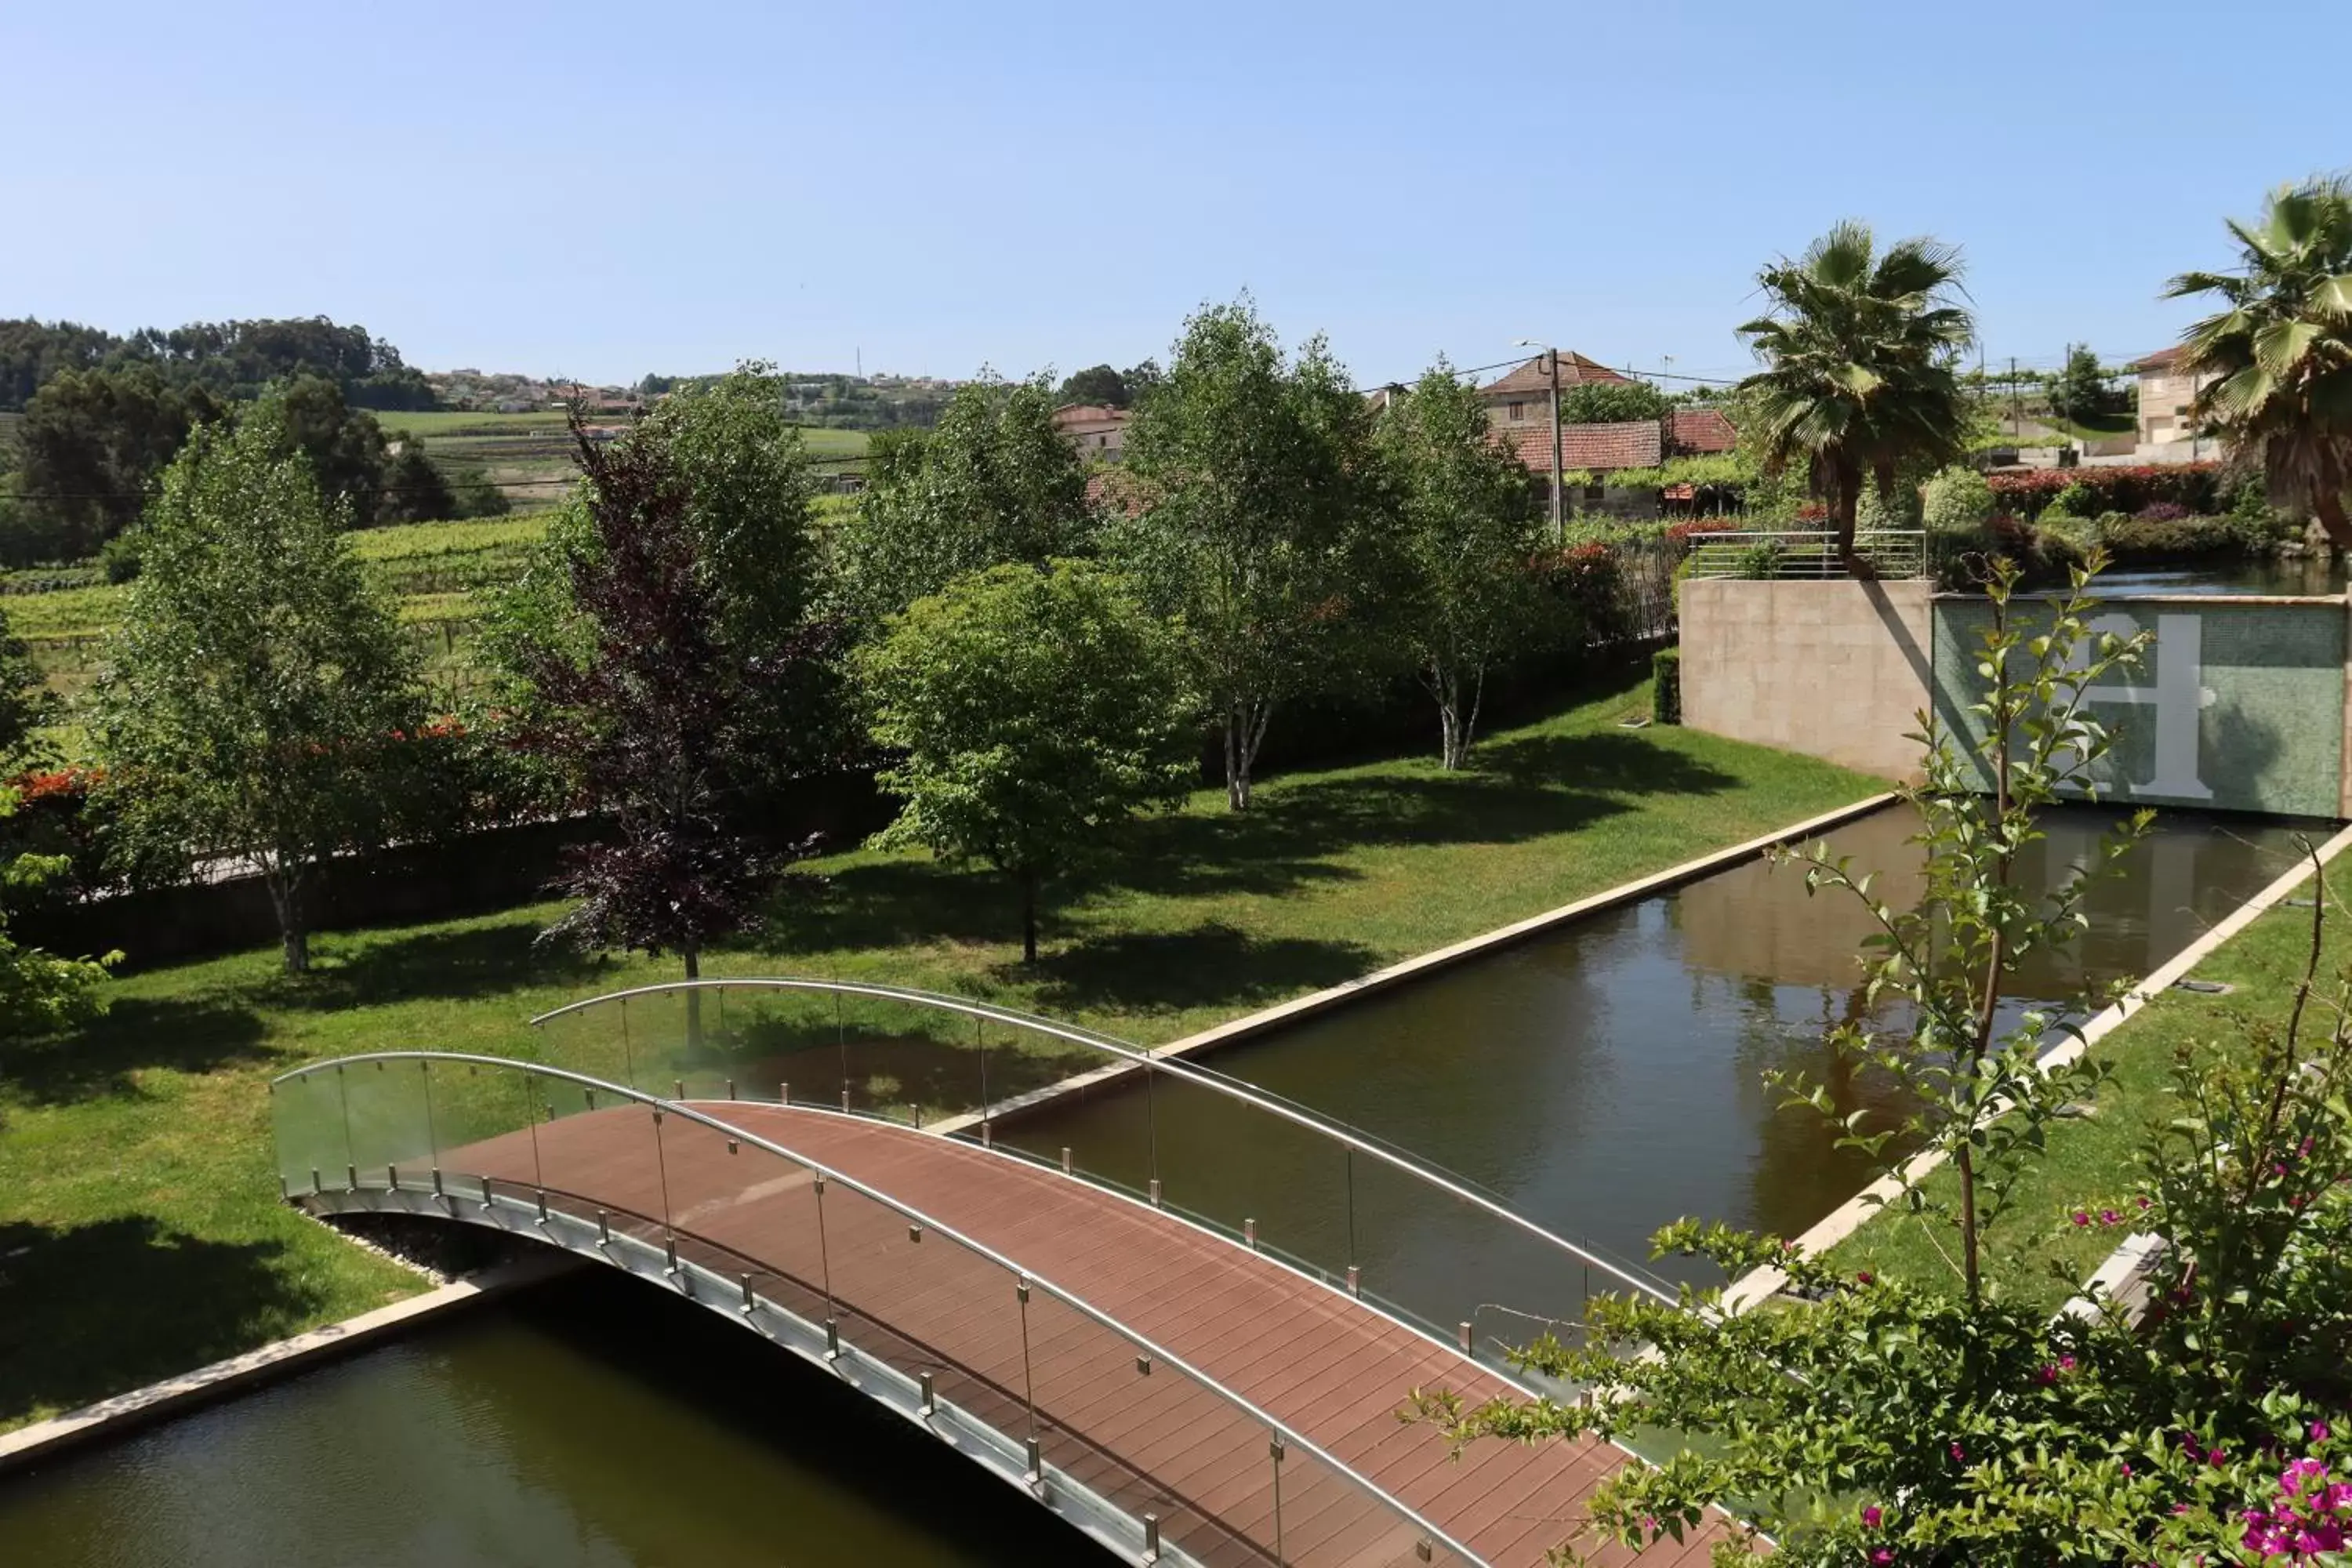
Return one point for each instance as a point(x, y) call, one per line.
point(2305, 576)
point(1606, 1079)
point(595, 1423)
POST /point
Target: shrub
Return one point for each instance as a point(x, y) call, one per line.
point(1760, 560)
point(1666, 686)
point(1956, 500)
point(2162, 511)
point(2194, 485)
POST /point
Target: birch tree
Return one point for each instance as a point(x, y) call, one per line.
point(1467, 532)
point(1258, 524)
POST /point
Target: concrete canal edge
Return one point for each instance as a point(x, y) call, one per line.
point(112, 1419)
point(1428, 963)
point(1761, 1284)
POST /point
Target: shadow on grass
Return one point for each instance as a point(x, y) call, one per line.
point(1212, 965)
point(186, 1035)
point(1518, 789)
point(479, 961)
point(88, 1310)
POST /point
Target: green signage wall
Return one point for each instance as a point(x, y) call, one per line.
point(2239, 705)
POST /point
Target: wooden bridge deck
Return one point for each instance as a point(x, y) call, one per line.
point(1330, 1368)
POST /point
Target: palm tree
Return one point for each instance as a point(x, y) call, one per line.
point(2283, 350)
point(1858, 348)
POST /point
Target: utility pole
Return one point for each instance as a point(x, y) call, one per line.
point(1551, 365)
point(2016, 409)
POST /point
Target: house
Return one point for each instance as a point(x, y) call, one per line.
point(2166, 391)
point(1098, 430)
point(1699, 432)
point(1523, 397)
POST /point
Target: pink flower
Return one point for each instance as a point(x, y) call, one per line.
point(1863, 1278)
point(1871, 1516)
point(2081, 1217)
point(2109, 1216)
point(2319, 1431)
point(2126, 1468)
point(1960, 1453)
point(2066, 1363)
point(2143, 1200)
point(1882, 1556)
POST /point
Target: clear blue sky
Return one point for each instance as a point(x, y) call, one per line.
point(603, 190)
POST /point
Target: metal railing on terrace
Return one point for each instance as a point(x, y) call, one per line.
point(1807, 553)
point(1426, 1245)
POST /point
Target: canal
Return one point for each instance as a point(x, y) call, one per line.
point(1607, 1077)
point(1604, 1079)
point(589, 1422)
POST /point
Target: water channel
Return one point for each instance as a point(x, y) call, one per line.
point(592, 1422)
point(1604, 1079)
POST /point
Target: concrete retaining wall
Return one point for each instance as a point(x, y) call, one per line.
point(1839, 669)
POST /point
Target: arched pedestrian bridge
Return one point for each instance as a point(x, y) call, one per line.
point(1180, 1386)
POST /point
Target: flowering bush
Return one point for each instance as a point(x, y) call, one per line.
point(2163, 511)
point(2192, 485)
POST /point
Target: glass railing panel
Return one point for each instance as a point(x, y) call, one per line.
point(774, 1037)
point(594, 1150)
point(306, 1113)
point(390, 1120)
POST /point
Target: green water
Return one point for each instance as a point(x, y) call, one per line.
point(595, 1422)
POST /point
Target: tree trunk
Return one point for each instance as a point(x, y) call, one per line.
point(286, 890)
point(1236, 775)
point(1028, 917)
point(1449, 721)
point(692, 953)
point(2329, 508)
point(1246, 722)
point(1842, 501)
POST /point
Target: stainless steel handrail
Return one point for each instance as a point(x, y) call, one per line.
point(1076, 1303)
point(1151, 1061)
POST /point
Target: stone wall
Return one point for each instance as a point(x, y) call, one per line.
point(1837, 668)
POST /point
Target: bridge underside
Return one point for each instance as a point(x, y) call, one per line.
point(1118, 1438)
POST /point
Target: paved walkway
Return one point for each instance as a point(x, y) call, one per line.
point(1150, 1440)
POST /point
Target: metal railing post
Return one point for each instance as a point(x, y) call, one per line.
point(1274, 1450)
point(1028, 1380)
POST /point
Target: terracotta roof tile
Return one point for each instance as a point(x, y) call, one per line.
point(1531, 377)
point(2162, 359)
point(1635, 444)
point(1703, 430)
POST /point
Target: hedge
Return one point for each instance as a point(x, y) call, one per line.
point(1666, 686)
point(2196, 486)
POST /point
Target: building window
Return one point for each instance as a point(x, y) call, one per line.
point(1518, 413)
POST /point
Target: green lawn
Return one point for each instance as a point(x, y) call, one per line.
point(2090, 1161)
point(142, 1233)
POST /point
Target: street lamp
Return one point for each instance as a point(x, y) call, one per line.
point(1550, 357)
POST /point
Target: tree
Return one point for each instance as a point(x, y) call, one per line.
point(1037, 710)
point(1611, 402)
point(1261, 528)
point(256, 696)
point(2282, 350)
point(1468, 532)
point(994, 481)
point(1096, 383)
point(1141, 380)
point(90, 448)
point(1858, 348)
point(660, 659)
point(346, 450)
point(2079, 392)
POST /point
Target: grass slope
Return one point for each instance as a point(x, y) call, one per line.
point(2091, 1162)
point(139, 1231)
